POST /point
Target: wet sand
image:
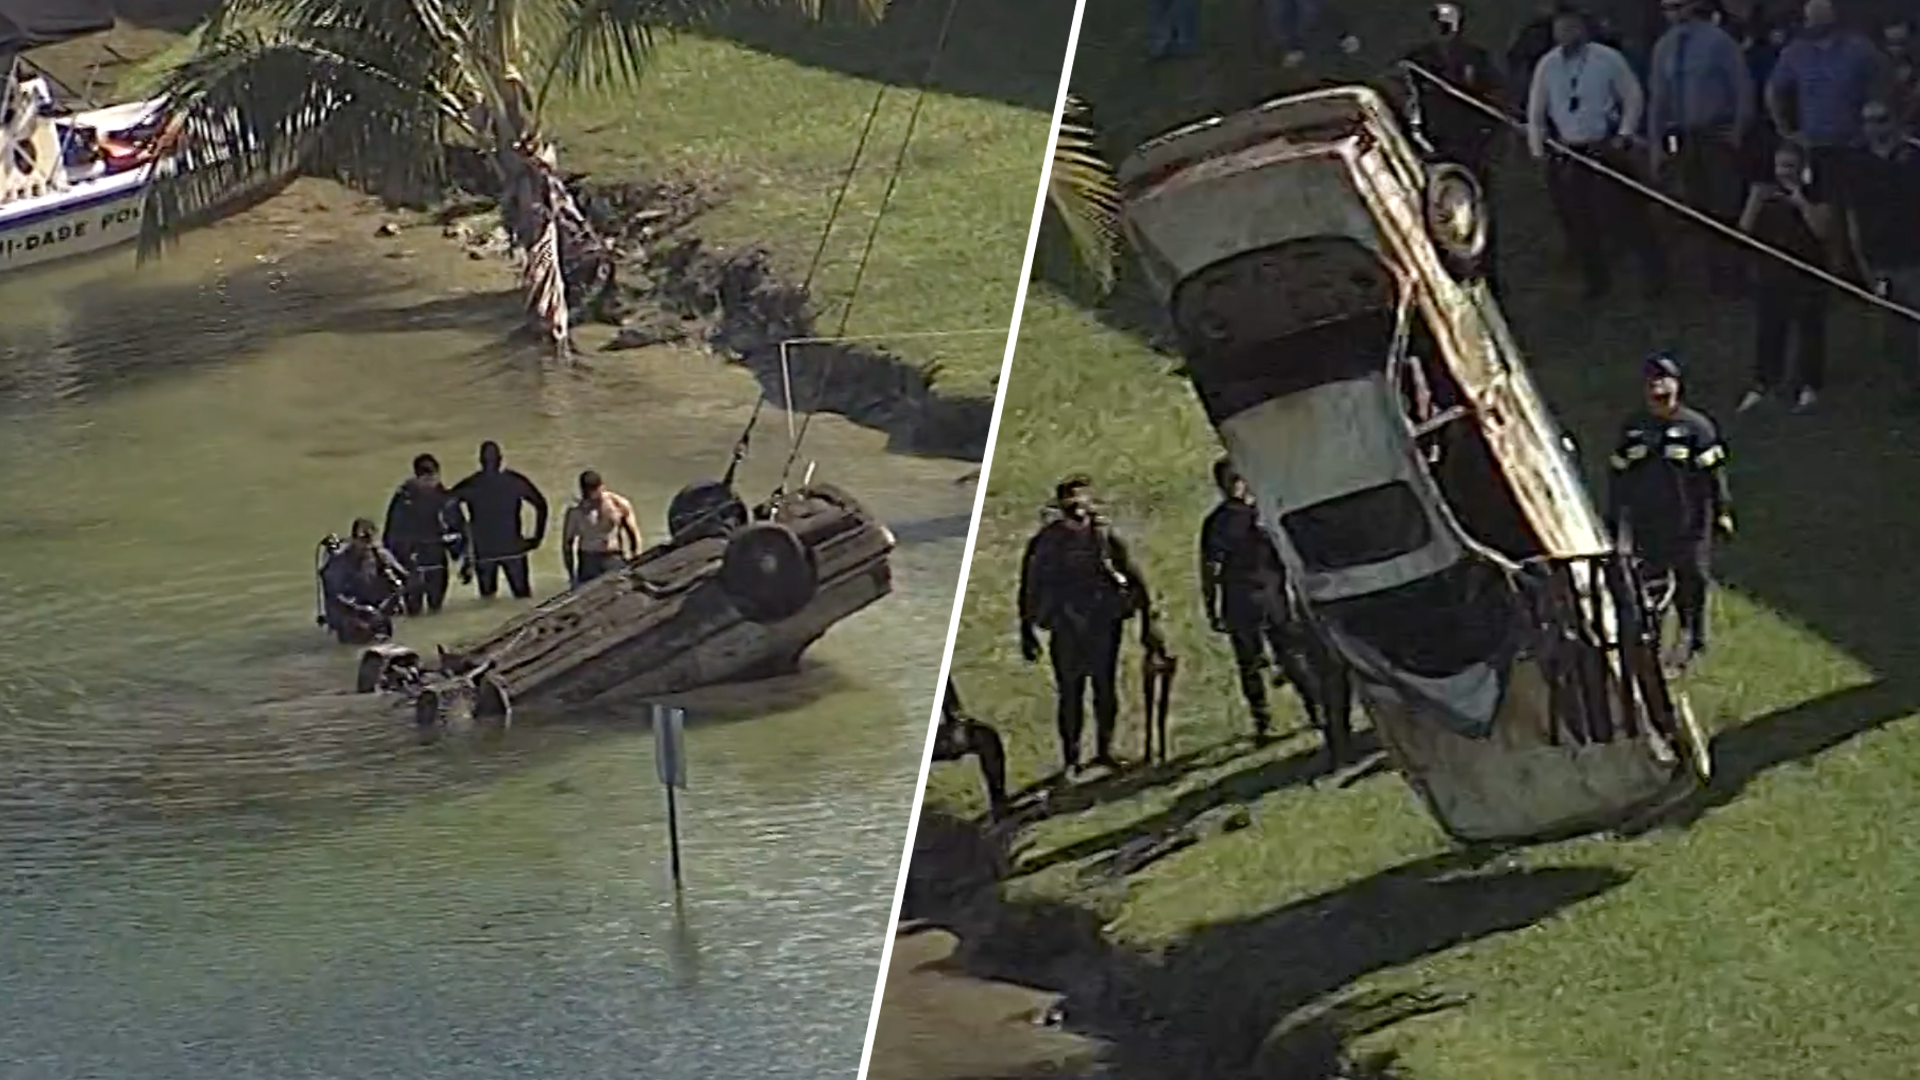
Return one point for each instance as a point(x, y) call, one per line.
point(939, 1023)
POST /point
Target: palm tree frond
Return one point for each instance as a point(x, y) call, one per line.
point(1082, 191)
point(252, 108)
point(603, 46)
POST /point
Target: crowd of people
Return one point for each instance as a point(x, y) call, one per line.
point(478, 526)
point(1792, 131)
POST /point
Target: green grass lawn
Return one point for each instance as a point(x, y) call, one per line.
point(1760, 939)
point(769, 109)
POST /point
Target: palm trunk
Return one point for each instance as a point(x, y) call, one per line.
point(564, 261)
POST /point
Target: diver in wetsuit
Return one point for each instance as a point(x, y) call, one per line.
point(1078, 582)
point(492, 499)
point(425, 530)
point(1244, 587)
point(362, 584)
point(959, 735)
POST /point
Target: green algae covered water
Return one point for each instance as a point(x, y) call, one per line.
point(215, 865)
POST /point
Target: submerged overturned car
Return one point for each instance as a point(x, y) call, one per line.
point(735, 594)
point(1324, 284)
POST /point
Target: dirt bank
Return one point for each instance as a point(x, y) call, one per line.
point(669, 286)
point(983, 984)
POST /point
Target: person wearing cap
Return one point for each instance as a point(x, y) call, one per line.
point(1244, 587)
point(1586, 97)
point(600, 533)
point(1667, 496)
point(1079, 583)
point(362, 584)
point(1700, 105)
point(1454, 129)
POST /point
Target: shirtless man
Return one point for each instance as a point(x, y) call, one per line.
point(600, 534)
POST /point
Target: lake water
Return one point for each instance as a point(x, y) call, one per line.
point(215, 865)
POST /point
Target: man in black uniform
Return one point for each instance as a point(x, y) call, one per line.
point(424, 530)
point(1078, 583)
point(492, 499)
point(1668, 497)
point(1244, 587)
point(1455, 130)
point(960, 735)
point(362, 584)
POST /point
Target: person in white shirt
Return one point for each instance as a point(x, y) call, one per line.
point(1585, 96)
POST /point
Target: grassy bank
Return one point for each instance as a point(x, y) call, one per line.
point(769, 109)
point(1751, 941)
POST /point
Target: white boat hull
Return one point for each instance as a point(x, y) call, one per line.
point(94, 211)
point(86, 218)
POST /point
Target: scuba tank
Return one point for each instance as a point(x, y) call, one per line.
point(323, 553)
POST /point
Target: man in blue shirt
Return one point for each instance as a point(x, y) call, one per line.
point(1819, 85)
point(1699, 106)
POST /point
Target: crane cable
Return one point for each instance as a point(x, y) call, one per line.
point(1712, 224)
point(813, 266)
point(873, 231)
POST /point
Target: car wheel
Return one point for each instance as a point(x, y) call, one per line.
point(768, 572)
point(446, 708)
point(372, 674)
point(703, 509)
point(1456, 219)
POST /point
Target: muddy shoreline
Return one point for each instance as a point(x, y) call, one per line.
point(670, 286)
point(1092, 1007)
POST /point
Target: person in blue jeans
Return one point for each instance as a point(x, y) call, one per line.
point(1176, 27)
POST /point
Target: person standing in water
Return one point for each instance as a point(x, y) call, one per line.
point(492, 498)
point(600, 533)
point(424, 529)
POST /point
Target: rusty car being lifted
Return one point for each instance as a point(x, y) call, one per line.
point(1324, 284)
point(736, 593)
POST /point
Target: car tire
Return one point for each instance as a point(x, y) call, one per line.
point(447, 707)
point(768, 572)
point(830, 493)
point(703, 509)
point(372, 673)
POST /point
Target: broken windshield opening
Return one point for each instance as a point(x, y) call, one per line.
point(1454, 446)
point(1280, 320)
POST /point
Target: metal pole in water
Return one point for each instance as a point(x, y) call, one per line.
point(673, 836)
point(670, 762)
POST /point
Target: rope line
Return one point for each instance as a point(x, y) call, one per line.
point(873, 232)
point(742, 445)
point(1661, 197)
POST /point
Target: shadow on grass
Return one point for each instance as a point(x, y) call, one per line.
point(1271, 996)
point(1009, 51)
point(1247, 786)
